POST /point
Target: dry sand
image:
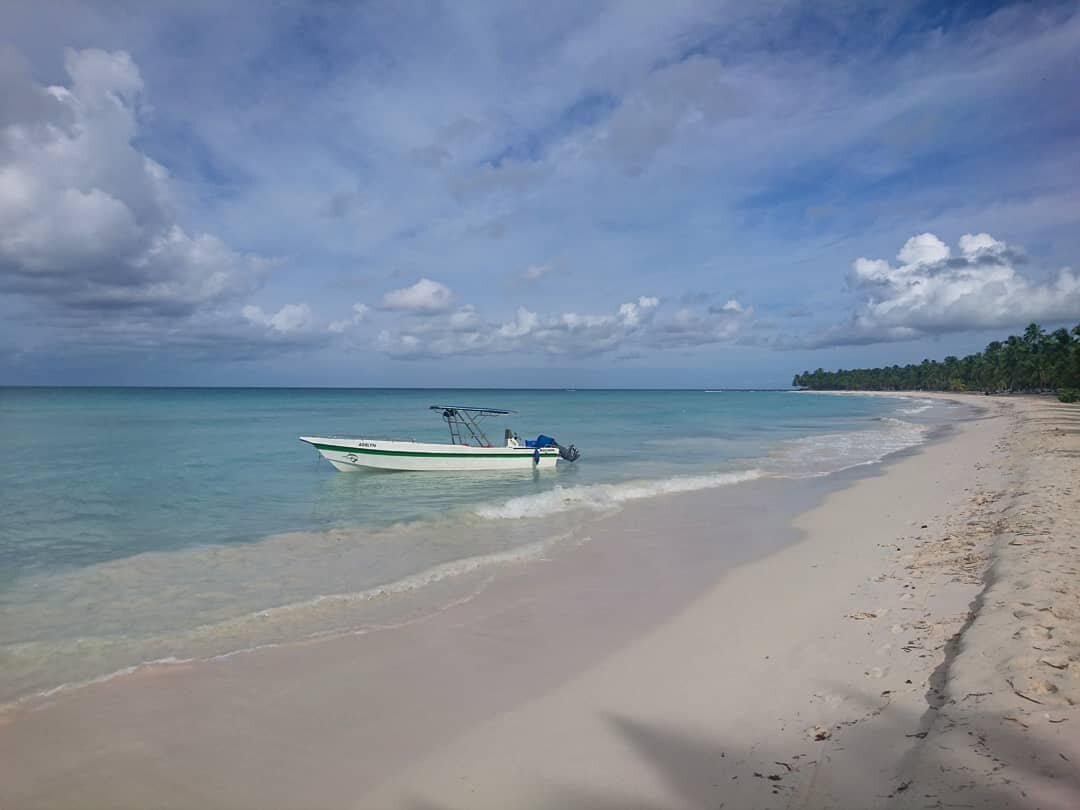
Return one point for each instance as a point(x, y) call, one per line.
point(920, 646)
point(1006, 730)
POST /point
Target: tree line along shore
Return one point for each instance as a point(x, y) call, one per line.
point(1036, 361)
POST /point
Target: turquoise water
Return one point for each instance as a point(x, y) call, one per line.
point(141, 524)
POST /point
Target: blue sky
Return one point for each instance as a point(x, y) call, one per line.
point(503, 194)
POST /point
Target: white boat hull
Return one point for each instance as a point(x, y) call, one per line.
point(383, 454)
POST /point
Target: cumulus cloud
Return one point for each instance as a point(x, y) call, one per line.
point(86, 218)
point(688, 327)
point(526, 331)
point(464, 318)
point(425, 296)
point(933, 291)
point(360, 313)
point(569, 333)
point(290, 318)
point(207, 336)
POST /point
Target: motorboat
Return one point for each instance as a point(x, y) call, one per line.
point(469, 448)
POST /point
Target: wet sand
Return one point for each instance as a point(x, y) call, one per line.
point(690, 654)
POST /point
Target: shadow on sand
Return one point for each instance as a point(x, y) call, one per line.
point(709, 774)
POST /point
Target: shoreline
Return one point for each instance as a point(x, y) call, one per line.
point(708, 705)
point(343, 608)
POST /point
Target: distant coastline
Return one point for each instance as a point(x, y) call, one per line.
point(1035, 362)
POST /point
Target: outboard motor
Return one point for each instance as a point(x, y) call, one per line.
point(570, 453)
point(567, 453)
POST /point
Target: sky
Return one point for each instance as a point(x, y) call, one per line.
point(561, 194)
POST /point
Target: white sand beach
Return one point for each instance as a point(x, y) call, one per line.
point(918, 646)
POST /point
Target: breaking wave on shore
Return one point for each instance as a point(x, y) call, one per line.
point(607, 496)
point(829, 453)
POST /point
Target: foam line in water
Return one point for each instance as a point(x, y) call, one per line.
point(919, 406)
point(607, 496)
point(429, 576)
point(822, 454)
point(250, 625)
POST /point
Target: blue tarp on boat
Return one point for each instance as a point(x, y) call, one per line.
point(541, 441)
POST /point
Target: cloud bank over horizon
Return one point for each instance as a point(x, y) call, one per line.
point(932, 291)
point(89, 231)
point(642, 193)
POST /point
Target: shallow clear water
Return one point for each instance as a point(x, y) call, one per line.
point(139, 524)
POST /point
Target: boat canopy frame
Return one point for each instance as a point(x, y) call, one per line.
point(462, 419)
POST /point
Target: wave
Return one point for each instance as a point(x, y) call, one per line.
point(920, 406)
point(832, 452)
point(600, 497)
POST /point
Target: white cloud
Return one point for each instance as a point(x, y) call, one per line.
point(289, 319)
point(923, 249)
point(423, 296)
point(632, 312)
point(931, 291)
point(567, 333)
point(360, 312)
point(464, 318)
point(87, 221)
point(523, 324)
point(208, 335)
point(688, 327)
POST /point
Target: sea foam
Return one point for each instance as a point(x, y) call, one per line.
point(920, 406)
point(832, 452)
point(600, 497)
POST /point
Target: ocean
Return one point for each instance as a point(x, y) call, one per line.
point(147, 525)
